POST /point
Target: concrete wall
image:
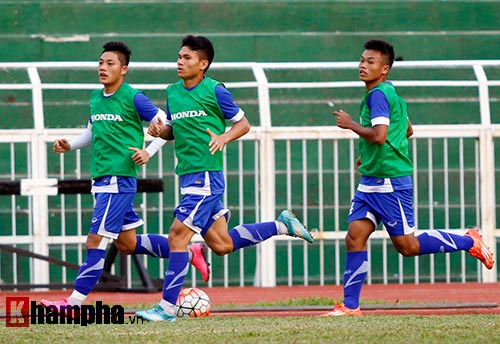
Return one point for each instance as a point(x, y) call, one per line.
point(249, 30)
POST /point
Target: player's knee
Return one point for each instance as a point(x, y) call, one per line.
point(95, 241)
point(408, 250)
point(126, 244)
point(408, 246)
point(221, 249)
point(354, 243)
point(125, 249)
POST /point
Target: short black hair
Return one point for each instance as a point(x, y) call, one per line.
point(386, 49)
point(201, 45)
point(121, 48)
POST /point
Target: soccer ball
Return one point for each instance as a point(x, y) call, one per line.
point(193, 303)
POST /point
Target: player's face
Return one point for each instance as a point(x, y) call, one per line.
point(372, 67)
point(110, 69)
point(190, 65)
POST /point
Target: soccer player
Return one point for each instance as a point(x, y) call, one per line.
point(197, 108)
point(116, 134)
point(385, 191)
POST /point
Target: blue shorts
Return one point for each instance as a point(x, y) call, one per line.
point(114, 213)
point(394, 209)
point(201, 204)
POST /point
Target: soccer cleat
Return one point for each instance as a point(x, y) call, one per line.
point(295, 228)
point(64, 304)
point(57, 304)
point(341, 310)
point(155, 314)
point(199, 260)
point(479, 250)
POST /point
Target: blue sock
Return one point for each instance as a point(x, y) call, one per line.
point(356, 269)
point(252, 234)
point(152, 244)
point(433, 241)
point(178, 267)
point(90, 271)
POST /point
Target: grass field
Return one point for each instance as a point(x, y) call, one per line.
point(311, 329)
point(392, 329)
point(477, 328)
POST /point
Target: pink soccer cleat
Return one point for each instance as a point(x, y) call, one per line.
point(199, 260)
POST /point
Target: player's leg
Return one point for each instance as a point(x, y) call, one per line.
point(179, 237)
point(217, 237)
point(190, 216)
point(128, 242)
point(215, 215)
point(362, 222)
point(223, 242)
point(356, 267)
point(178, 266)
point(106, 225)
point(196, 213)
point(90, 272)
point(156, 245)
point(436, 241)
point(397, 215)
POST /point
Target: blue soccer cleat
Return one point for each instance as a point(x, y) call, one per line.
point(295, 228)
point(155, 314)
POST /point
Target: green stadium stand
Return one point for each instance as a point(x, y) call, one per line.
point(315, 30)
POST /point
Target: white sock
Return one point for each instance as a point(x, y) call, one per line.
point(281, 227)
point(167, 307)
point(76, 298)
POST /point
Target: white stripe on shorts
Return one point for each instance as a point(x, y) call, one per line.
point(406, 227)
point(189, 220)
point(102, 229)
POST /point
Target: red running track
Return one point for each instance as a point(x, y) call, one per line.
point(391, 295)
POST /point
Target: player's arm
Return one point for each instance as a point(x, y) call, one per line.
point(162, 127)
point(218, 142)
point(85, 139)
point(232, 112)
point(166, 132)
point(160, 130)
point(409, 131)
point(142, 156)
point(150, 113)
point(380, 119)
point(158, 142)
point(358, 163)
point(375, 134)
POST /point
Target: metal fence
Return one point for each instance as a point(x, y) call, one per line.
point(308, 168)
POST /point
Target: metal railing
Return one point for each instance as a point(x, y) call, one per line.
point(285, 161)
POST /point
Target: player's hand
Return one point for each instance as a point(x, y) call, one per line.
point(344, 120)
point(155, 128)
point(140, 156)
point(358, 163)
point(217, 143)
point(61, 146)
